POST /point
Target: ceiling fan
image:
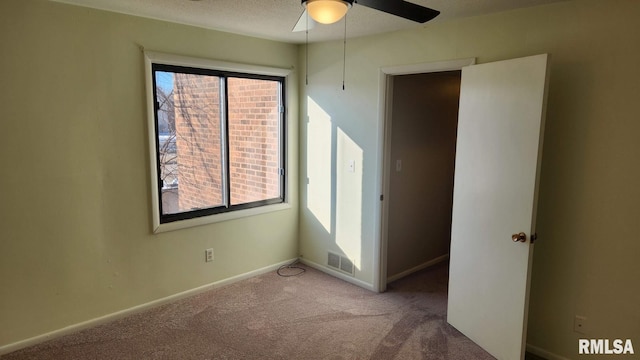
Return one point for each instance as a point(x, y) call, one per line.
point(330, 11)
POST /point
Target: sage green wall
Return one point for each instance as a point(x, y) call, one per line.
point(75, 213)
point(587, 259)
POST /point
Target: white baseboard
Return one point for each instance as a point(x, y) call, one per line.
point(5, 349)
point(338, 274)
point(425, 265)
point(544, 353)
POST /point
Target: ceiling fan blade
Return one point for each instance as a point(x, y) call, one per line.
point(402, 8)
point(303, 21)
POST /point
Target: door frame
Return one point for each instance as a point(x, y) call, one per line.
point(385, 97)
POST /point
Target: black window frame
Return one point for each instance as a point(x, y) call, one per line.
point(226, 207)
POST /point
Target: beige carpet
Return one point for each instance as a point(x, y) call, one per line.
point(311, 316)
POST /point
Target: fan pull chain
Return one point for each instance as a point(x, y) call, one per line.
point(306, 49)
point(344, 53)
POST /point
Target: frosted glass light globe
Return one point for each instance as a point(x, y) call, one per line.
point(327, 11)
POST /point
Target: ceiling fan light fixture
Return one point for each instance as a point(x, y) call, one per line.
point(327, 11)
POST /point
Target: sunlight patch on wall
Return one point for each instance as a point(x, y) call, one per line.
point(349, 160)
point(319, 163)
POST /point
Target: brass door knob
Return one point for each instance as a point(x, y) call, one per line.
point(520, 237)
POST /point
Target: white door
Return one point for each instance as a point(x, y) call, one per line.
point(500, 128)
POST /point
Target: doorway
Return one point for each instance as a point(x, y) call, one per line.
point(424, 121)
point(402, 264)
point(497, 167)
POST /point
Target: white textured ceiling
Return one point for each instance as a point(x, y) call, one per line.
point(274, 19)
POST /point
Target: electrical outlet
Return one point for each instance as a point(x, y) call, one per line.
point(208, 255)
point(580, 324)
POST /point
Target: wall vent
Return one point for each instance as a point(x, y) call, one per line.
point(340, 263)
point(334, 260)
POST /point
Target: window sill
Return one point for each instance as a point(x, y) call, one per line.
point(211, 219)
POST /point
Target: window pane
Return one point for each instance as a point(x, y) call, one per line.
point(254, 139)
point(190, 153)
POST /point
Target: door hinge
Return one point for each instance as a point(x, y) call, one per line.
point(381, 197)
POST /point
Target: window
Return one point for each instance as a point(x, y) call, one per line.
point(218, 138)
